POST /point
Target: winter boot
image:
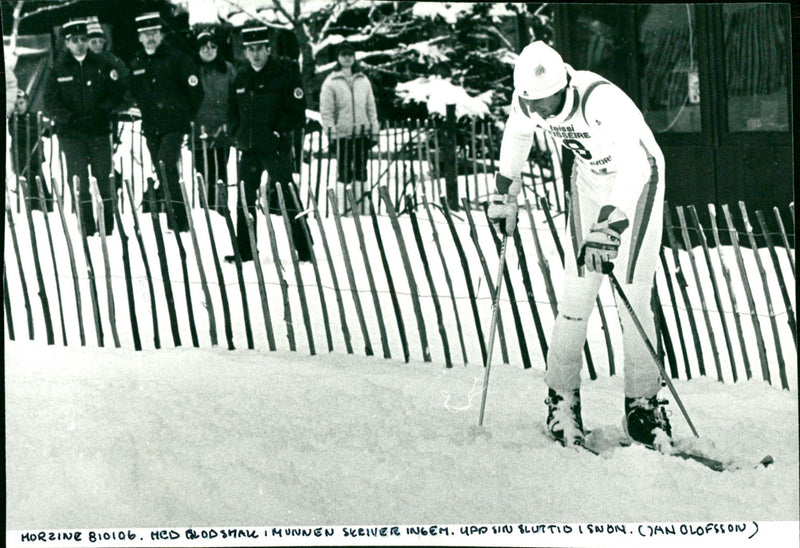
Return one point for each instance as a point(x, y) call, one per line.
point(564, 421)
point(646, 421)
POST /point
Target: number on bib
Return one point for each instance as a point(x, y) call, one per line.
point(576, 147)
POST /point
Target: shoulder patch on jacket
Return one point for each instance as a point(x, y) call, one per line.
point(298, 93)
point(193, 80)
point(66, 78)
point(137, 72)
point(114, 75)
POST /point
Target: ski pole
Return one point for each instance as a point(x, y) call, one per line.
point(608, 269)
point(493, 326)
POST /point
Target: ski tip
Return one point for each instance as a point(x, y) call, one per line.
point(766, 461)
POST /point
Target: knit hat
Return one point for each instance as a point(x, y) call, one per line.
point(539, 72)
point(93, 28)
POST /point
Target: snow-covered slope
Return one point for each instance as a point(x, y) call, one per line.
point(209, 437)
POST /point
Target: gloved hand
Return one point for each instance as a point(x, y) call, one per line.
point(503, 207)
point(602, 243)
point(502, 212)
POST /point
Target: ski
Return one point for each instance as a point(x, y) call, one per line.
point(712, 463)
point(597, 444)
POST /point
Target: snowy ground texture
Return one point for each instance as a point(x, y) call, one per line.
point(208, 437)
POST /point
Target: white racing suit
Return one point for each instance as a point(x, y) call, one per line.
point(618, 163)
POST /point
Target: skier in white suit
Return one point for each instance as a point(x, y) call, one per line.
point(615, 217)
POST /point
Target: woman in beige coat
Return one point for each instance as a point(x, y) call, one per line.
point(350, 119)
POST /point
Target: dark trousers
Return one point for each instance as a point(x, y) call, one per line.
point(279, 168)
point(166, 149)
point(216, 161)
point(81, 153)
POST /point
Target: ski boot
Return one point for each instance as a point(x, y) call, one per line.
point(564, 417)
point(646, 421)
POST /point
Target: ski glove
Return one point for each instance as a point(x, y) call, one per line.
point(602, 243)
point(503, 208)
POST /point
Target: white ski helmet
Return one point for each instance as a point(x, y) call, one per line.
point(539, 72)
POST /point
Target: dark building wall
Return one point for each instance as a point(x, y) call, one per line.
point(720, 108)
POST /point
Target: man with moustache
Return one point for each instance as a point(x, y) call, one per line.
point(168, 91)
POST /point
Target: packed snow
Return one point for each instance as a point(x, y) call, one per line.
point(207, 437)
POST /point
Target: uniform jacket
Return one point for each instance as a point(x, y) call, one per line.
point(347, 106)
point(167, 89)
point(80, 97)
point(266, 105)
point(217, 77)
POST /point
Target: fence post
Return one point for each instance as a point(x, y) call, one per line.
point(7, 306)
point(350, 273)
point(467, 276)
point(389, 280)
point(429, 277)
point(101, 226)
point(450, 158)
point(437, 242)
point(13, 230)
point(209, 305)
point(294, 257)
point(762, 353)
point(202, 188)
point(779, 275)
point(412, 284)
point(767, 294)
point(24, 189)
point(334, 279)
point(87, 257)
point(187, 288)
point(273, 242)
point(137, 232)
point(370, 278)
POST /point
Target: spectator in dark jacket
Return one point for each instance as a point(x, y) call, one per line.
point(167, 88)
point(212, 147)
point(267, 104)
point(81, 92)
point(26, 150)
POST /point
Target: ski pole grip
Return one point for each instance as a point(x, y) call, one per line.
point(606, 268)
